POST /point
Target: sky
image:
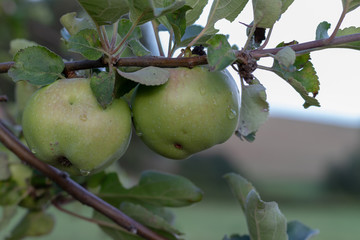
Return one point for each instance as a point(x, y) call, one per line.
point(338, 69)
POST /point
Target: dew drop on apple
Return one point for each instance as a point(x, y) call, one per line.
point(231, 113)
point(202, 91)
point(84, 172)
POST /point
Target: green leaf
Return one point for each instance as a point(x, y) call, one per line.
point(190, 33)
point(21, 174)
point(309, 101)
point(163, 212)
point(302, 78)
point(322, 30)
point(264, 219)
point(138, 49)
point(112, 191)
point(220, 54)
point(87, 43)
point(165, 190)
point(159, 189)
point(286, 57)
point(102, 85)
point(124, 27)
point(197, 7)
point(73, 24)
point(240, 187)
point(114, 233)
point(160, 8)
point(254, 109)
point(10, 193)
point(349, 5)
point(8, 212)
point(95, 180)
point(105, 12)
point(348, 31)
point(285, 5)
point(177, 21)
point(123, 85)
point(266, 12)
point(33, 224)
point(220, 9)
point(19, 43)
point(147, 218)
point(298, 231)
point(149, 76)
point(322, 33)
point(142, 11)
point(4, 167)
point(36, 64)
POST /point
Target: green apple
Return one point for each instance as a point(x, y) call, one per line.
point(64, 125)
point(195, 110)
point(23, 91)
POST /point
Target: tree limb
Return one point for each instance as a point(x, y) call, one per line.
point(73, 188)
point(193, 61)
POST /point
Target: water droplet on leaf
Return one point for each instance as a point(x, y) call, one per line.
point(33, 150)
point(202, 91)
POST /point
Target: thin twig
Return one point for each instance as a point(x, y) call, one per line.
point(102, 40)
point(105, 37)
point(266, 40)
point(157, 38)
point(170, 42)
point(113, 51)
point(73, 188)
point(114, 35)
point(341, 19)
point(265, 68)
point(197, 60)
point(312, 45)
point(91, 220)
point(252, 31)
point(210, 17)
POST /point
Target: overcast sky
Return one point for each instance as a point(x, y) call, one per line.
point(338, 69)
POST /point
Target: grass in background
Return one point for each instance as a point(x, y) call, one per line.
point(212, 220)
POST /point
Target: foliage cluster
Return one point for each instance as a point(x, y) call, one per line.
point(108, 37)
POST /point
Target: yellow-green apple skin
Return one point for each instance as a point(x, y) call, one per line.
point(64, 125)
point(23, 91)
point(195, 110)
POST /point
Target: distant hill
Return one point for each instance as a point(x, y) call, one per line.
point(291, 148)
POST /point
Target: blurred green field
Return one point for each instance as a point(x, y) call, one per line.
point(212, 220)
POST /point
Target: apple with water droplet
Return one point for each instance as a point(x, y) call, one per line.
point(64, 125)
point(195, 110)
